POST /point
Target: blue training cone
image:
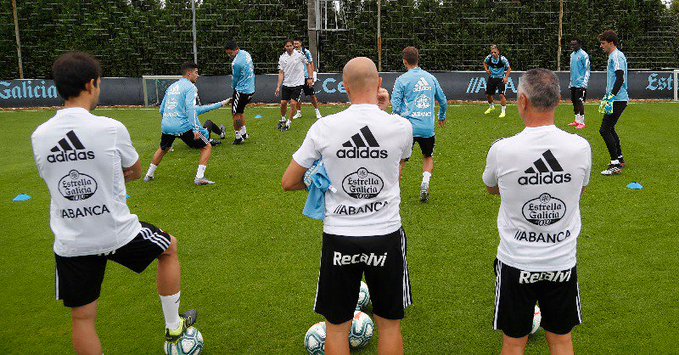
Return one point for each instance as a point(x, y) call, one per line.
point(21, 198)
point(635, 186)
point(259, 116)
point(127, 197)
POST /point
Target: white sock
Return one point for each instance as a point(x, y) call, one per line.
point(426, 177)
point(238, 135)
point(243, 131)
point(318, 111)
point(492, 105)
point(615, 162)
point(201, 171)
point(580, 119)
point(288, 122)
point(504, 108)
point(283, 118)
point(171, 310)
point(152, 170)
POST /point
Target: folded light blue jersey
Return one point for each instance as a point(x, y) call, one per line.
point(320, 184)
point(179, 109)
point(580, 67)
point(498, 67)
point(243, 73)
point(413, 98)
point(310, 59)
point(617, 61)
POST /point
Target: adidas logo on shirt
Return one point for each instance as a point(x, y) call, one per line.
point(546, 170)
point(359, 147)
point(69, 149)
point(422, 85)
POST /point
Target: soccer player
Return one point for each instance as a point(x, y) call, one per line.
point(578, 83)
point(309, 80)
point(616, 98)
point(86, 160)
point(180, 119)
point(413, 98)
point(498, 69)
point(243, 88)
point(540, 175)
point(291, 76)
point(361, 149)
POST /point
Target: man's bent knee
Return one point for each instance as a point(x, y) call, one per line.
point(87, 312)
point(172, 249)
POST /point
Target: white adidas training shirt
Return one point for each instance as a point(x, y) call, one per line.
point(540, 173)
point(361, 148)
point(292, 66)
point(81, 158)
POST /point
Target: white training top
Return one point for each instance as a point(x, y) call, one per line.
point(81, 158)
point(292, 66)
point(361, 149)
point(540, 172)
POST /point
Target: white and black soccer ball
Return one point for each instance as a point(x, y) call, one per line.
point(191, 343)
point(363, 297)
point(537, 318)
point(314, 340)
point(362, 329)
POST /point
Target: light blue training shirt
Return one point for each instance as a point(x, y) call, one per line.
point(243, 73)
point(498, 67)
point(617, 61)
point(179, 109)
point(413, 98)
point(580, 69)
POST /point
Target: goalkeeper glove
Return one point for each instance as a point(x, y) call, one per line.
point(606, 105)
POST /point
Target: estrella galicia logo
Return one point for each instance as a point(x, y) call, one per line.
point(362, 146)
point(544, 210)
point(656, 82)
point(77, 186)
point(422, 102)
point(362, 184)
point(69, 149)
point(545, 174)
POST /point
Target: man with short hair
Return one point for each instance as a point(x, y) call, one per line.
point(243, 84)
point(310, 77)
point(498, 69)
point(413, 98)
point(180, 112)
point(361, 149)
point(86, 160)
point(291, 77)
point(578, 83)
point(540, 175)
point(615, 100)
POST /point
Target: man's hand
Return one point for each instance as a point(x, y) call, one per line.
point(442, 123)
point(383, 99)
point(278, 91)
point(196, 135)
point(505, 80)
point(310, 82)
point(487, 71)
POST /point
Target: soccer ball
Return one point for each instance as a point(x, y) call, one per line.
point(191, 343)
point(362, 329)
point(537, 318)
point(314, 340)
point(363, 297)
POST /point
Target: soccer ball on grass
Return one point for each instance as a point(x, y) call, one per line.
point(191, 343)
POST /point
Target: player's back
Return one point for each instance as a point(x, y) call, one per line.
point(540, 173)
point(418, 88)
point(81, 156)
point(361, 148)
point(174, 107)
point(243, 73)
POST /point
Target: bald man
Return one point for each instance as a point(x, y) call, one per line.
point(362, 149)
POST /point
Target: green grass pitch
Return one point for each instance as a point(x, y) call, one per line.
point(250, 259)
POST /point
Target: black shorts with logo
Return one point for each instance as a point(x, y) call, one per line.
point(516, 292)
point(308, 90)
point(495, 85)
point(79, 278)
point(345, 259)
point(239, 102)
point(578, 94)
point(291, 92)
point(166, 140)
point(427, 145)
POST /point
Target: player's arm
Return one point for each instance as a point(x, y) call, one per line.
point(490, 173)
point(162, 105)
point(485, 66)
point(237, 68)
point(587, 67)
point(440, 97)
point(508, 73)
point(293, 178)
point(281, 76)
point(619, 80)
point(397, 98)
point(207, 108)
point(132, 173)
point(129, 158)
